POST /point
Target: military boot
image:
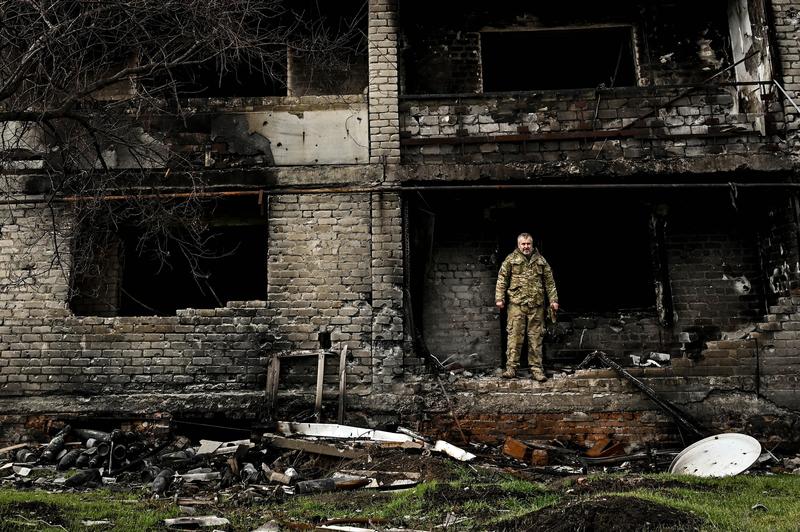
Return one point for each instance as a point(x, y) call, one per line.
point(509, 373)
point(538, 375)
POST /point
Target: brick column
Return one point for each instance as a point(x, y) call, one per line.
point(384, 120)
point(786, 17)
point(387, 293)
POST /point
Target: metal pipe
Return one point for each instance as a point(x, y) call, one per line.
point(686, 92)
point(414, 188)
point(786, 94)
point(463, 187)
point(681, 418)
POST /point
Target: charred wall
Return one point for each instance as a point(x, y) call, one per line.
point(442, 43)
point(339, 259)
point(602, 265)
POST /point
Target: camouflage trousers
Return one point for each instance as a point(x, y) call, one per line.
point(524, 320)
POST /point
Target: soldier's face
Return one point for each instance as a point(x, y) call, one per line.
point(525, 246)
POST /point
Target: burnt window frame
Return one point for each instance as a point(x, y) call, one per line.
point(634, 47)
point(90, 296)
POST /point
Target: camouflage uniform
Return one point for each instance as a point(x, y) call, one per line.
point(527, 282)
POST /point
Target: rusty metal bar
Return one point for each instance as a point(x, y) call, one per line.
point(171, 195)
point(687, 92)
point(414, 188)
point(680, 418)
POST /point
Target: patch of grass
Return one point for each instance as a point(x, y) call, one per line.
point(727, 503)
point(496, 502)
point(38, 510)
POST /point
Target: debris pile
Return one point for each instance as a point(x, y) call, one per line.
point(299, 458)
point(296, 459)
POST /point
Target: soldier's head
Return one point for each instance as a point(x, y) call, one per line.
point(525, 244)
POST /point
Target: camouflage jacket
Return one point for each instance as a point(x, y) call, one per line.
point(526, 281)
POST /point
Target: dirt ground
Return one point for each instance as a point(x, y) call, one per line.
point(33, 513)
point(622, 514)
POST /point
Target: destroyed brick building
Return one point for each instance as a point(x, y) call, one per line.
point(649, 147)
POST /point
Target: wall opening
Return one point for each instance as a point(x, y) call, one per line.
point(597, 244)
point(131, 275)
point(341, 68)
point(572, 58)
point(213, 80)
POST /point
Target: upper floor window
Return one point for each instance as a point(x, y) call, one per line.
point(561, 58)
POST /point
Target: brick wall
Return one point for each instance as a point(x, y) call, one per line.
point(551, 126)
point(197, 349)
point(593, 404)
point(459, 316)
point(786, 21)
point(392, 356)
point(717, 284)
point(95, 291)
point(34, 259)
point(383, 82)
point(319, 275)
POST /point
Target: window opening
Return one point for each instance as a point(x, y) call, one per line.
point(558, 59)
point(128, 277)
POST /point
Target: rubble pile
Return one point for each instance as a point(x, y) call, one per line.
point(301, 459)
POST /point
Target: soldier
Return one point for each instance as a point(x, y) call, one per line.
point(527, 279)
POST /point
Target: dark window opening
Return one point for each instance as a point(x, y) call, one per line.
point(334, 61)
point(129, 276)
point(557, 59)
point(212, 80)
point(598, 245)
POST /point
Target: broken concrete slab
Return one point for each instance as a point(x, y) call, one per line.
point(208, 447)
point(22, 471)
point(332, 430)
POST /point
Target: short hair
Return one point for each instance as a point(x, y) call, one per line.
point(524, 236)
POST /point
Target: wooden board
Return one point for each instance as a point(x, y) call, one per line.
point(313, 447)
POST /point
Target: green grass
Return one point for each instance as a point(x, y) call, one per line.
point(482, 501)
point(726, 504)
point(42, 511)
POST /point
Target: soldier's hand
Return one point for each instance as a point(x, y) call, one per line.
point(554, 306)
point(500, 305)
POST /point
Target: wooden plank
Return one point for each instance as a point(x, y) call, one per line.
point(14, 447)
point(298, 354)
point(342, 383)
point(270, 377)
point(275, 373)
point(318, 395)
point(316, 448)
point(403, 445)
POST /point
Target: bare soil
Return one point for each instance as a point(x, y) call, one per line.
point(28, 516)
point(618, 514)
